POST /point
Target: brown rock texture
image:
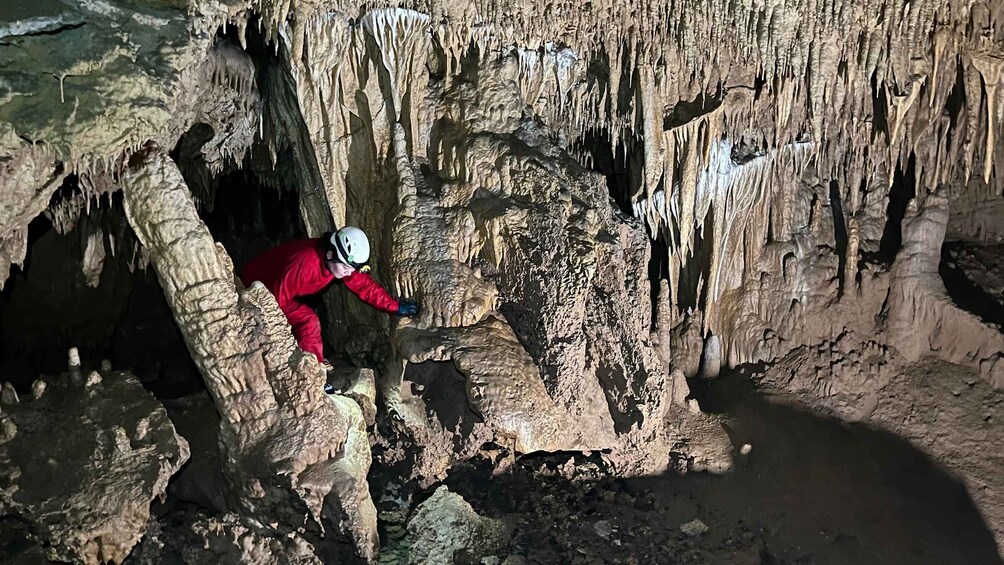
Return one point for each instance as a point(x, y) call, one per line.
point(945, 409)
point(81, 464)
point(283, 437)
point(445, 530)
point(592, 204)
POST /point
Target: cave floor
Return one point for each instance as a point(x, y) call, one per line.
point(811, 490)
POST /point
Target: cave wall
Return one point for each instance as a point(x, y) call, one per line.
point(759, 144)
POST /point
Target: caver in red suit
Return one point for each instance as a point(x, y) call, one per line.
point(306, 266)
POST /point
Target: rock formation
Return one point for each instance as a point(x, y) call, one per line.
point(81, 461)
point(592, 203)
point(445, 530)
point(287, 445)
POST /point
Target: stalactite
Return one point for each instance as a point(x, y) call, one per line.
point(687, 136)
point(652, 110)
point(530, 75)
point(320, 87)
point(94, 257)
point(402, 37)
point(991, 69)
point(899, 106)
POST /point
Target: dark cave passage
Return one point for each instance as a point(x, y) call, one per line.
point(48, 307)
point(904, 189)
point(972, 277)
point(121, 314)
point(444, 390)
point(249, 217)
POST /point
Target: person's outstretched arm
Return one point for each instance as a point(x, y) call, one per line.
point(370, 292)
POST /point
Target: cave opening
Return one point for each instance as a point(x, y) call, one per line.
point(249, 217)
point(443, 390)
point(84, 285)
point(970, 274)
point(904, 189)
point(616, 162)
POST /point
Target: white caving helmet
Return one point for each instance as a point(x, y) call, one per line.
point(351, 246)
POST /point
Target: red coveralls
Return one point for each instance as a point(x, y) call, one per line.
point(296, 268)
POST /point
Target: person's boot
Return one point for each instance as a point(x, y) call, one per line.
point(338, 382)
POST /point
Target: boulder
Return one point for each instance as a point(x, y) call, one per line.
point(446, 530)
point(81, 464)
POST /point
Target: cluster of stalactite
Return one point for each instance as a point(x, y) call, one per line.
point(850, 89)
point(867, 83)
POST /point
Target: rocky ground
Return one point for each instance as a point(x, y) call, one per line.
point(809, 489)
point(909, 481)
point(806, 489)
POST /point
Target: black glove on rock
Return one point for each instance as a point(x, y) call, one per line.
point(407, 308)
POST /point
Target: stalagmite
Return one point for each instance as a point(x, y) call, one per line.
point(917, 299)
point(851, 260)
point(73, 365)
point(503, 385)
point(268, 393)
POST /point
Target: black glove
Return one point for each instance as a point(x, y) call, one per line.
point(407, 308)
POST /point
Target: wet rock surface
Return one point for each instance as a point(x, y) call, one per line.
point(81, 464)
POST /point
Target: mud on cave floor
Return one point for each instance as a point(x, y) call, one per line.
point(811, 490)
